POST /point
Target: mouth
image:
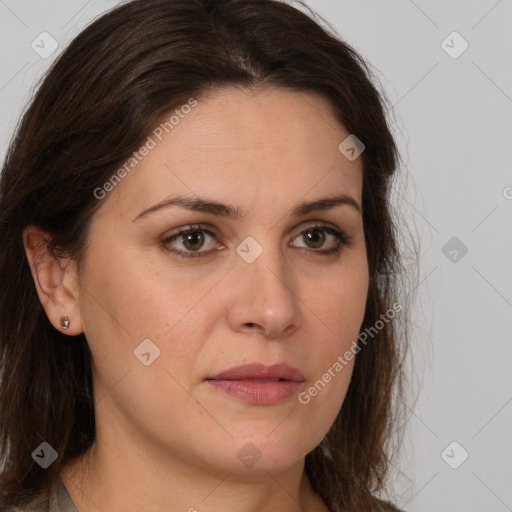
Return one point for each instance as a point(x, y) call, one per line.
point(258, 384)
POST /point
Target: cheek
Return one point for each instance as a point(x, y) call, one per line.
point(132, 296)
point(339, 301)
point(337, 306)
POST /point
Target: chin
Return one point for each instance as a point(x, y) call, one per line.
point(259, 452)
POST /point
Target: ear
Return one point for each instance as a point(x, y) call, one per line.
point(56, 281)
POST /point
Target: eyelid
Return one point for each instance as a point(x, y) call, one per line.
point(189, 227)
point(322, 225)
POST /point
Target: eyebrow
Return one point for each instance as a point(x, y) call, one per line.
point(235, 213)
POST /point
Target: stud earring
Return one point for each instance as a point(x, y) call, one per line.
point(64, 323)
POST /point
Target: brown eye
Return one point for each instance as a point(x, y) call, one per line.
point(315, 238)
point(321, 239)
point(193, 240)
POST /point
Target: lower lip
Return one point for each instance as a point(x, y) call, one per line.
point(258, 392)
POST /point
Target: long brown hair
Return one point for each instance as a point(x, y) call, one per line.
point(96, 104)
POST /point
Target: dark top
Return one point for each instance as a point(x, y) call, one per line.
point(57, 500)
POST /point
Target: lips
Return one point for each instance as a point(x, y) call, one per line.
point(257, 371)
point(259, 384)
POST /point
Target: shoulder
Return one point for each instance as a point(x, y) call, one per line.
point(387, 506)
point(42, 502)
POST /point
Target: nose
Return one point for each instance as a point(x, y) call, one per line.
point(263, 297)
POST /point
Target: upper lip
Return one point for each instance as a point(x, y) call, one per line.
point(260, 371)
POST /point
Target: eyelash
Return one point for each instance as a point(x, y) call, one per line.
point(342, 238)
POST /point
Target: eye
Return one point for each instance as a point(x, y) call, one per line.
point(188, 242)
point(322, 236)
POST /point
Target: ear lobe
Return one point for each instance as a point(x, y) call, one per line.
point(55, 279)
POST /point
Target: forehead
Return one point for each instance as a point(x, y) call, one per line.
point(249, 144)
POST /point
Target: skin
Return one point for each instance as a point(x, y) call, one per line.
point(165, 439)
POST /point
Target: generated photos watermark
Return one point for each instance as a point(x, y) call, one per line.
point(343, 360)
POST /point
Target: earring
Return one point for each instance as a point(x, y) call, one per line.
point(64, 322)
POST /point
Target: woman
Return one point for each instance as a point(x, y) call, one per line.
point(199, 306)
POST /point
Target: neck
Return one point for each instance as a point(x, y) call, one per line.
point(132, 480)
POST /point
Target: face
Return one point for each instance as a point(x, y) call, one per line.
point(215, 253)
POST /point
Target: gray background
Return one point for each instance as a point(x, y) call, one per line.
point(453, 122)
